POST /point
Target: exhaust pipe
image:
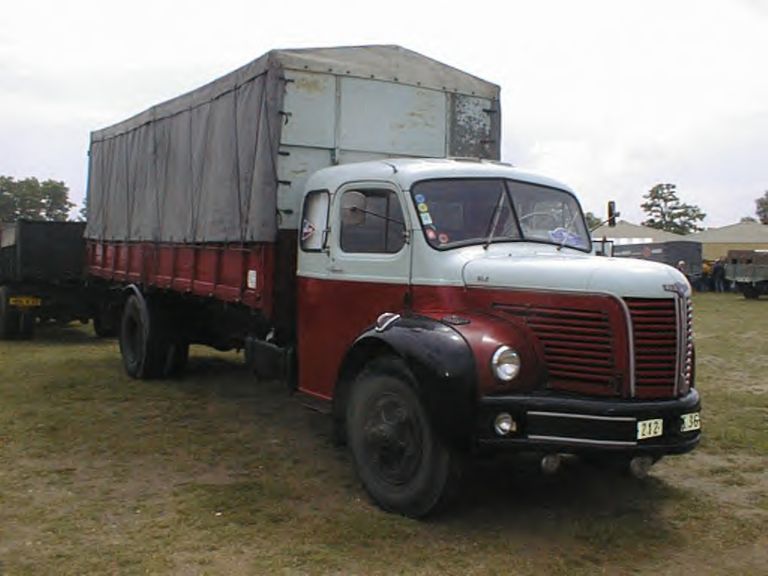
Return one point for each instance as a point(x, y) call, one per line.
point(639, 466)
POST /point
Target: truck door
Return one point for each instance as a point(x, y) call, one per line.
point(362, 272)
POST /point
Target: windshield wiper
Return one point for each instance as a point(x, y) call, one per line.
point(495, 218)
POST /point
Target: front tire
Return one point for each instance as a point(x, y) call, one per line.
point(402, 462)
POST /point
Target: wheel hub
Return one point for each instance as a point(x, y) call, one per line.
point(393, 440)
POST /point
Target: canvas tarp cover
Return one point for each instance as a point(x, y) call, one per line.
point(202, 167)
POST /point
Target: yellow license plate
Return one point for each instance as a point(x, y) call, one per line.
point(25, 301)
point(650, 428)
point(690, 422)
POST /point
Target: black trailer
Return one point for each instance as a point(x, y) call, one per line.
point(41, 276)
point(672, 253)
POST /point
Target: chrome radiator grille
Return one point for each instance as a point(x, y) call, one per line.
point(663, 339)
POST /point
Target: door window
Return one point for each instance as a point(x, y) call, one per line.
point(378, 227)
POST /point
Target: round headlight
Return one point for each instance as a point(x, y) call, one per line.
point(505, 363)
point(504, 424)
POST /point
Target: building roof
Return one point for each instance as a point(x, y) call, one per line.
point(743, 232)
point(627, 233)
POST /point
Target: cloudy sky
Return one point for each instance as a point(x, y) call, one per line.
point(611, 97)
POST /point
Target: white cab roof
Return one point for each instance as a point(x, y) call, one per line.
point(406, 171)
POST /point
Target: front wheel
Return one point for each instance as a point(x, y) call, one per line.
point(402, 463)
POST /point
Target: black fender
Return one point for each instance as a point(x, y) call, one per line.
point(440, 360)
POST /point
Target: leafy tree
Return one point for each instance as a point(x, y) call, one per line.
point(592, 220)
point(666, 211)
point(762, 208)
point(32, 199)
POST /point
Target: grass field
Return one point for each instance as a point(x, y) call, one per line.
point(217, 473)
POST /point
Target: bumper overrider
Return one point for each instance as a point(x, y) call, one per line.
point(575, 425)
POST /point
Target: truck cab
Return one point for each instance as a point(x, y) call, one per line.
point(447, 307)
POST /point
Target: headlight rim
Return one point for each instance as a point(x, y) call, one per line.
point(496, 365)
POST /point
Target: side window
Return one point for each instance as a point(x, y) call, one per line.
point(377, 224)
point(314, 221)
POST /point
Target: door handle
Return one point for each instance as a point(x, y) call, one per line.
point(335, 269)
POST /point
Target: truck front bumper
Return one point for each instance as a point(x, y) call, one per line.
point(574, 425)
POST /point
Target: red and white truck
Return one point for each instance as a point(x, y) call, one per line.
point(319, 209)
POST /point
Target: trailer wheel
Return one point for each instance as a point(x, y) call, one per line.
point(750, 292)
point(402, 463)
point(9, 316)
point(177, 358)
point(27, 321)
point(144, 345)
point(104, 323)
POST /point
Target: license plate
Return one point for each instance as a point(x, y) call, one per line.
point(24, 301)
point(690, 422)
point(650, 428)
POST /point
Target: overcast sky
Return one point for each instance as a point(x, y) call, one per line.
point(611, 97)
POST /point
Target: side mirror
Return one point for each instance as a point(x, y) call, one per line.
point(612, 214)
point(353, 208)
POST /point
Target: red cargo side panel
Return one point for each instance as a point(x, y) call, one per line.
point(241, 274)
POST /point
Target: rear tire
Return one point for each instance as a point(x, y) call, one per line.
point(147, 349)
point(9, 316)
point(27, 322)
point(104, 323)
point(750, 292)
point(402, 463)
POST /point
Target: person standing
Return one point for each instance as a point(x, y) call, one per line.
point(718, 275)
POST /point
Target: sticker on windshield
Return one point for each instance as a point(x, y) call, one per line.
point(562, 236)
point(431, 234)
point(443, 238)
point(426, 219)
point(419, 198)
point(423, 207)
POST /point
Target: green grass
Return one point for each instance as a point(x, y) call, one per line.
point(217, 473)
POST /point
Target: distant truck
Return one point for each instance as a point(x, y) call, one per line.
point(42, 276)
point(670, 253)
point(303, 208)
point(748, 270)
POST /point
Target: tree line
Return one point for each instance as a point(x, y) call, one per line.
point(33, 199)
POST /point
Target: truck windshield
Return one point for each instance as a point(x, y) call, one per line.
point(459, 212)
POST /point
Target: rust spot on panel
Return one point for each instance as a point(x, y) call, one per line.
point(310, 85)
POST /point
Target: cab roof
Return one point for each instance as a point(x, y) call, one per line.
point(406, 171)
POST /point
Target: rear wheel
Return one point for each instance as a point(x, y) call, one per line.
point(27, 322)
point(9, 316)
point(149, 345)
point(750, 292)
point(105, 324)
point(402, 463)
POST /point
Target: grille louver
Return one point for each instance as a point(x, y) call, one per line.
point(577, 346)
point(655, 332)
